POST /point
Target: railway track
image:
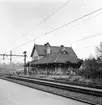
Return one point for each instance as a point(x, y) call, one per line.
point(50, 83)
point(78, 93)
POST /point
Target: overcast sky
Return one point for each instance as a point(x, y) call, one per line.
point(18, 16)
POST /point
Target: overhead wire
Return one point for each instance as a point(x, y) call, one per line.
point(61, 27)
point(43, 20)
point(90, 46)
point(88, 37)
point(73, 21)
point(87, 19)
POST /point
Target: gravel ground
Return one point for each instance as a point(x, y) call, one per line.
point(93, 100)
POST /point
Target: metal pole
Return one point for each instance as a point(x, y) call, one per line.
point(10, 56)
point(25, 69)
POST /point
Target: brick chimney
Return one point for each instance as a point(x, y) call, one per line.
point(48, 48)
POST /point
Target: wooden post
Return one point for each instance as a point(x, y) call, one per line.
point(25, 69)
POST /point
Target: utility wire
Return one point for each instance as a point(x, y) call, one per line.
point(60, 28)
point(90, 46)
point(88, 19)
point(42, 21)
point(28, 42)
point(96, 35)
point(74, 21)
point(23, 44)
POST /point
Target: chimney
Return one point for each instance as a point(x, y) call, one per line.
point(62, 46)
point(48, 49)
point(63, 49)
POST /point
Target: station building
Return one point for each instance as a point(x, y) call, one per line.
point(53, 60)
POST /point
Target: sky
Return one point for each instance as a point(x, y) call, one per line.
point(19, 16)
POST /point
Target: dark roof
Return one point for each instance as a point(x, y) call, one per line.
point(55, 49)
point(57, 58)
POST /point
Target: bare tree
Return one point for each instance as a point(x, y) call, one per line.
point(99, 51)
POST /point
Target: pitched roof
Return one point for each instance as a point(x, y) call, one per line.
point(55, 49)
point(57, 58)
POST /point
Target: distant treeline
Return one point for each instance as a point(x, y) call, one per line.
point(10, 67)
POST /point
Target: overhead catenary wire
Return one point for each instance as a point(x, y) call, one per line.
point(73, 21)
point(42, 21)
point(88, 37)
point(27, 42)
point(60, 27)
point(90, 46)
point(88, 19)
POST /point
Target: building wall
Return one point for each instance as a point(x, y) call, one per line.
point(35, 55)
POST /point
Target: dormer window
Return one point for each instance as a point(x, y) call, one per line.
point(64, 52)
